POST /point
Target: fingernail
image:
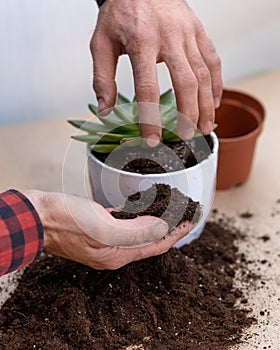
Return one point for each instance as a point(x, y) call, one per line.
point(160, 230)
point(208, 127)
point(153, 140)
point(217, 102)
point(101, 104)
point(188, 134)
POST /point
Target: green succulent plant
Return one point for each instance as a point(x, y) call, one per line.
point(121, 125)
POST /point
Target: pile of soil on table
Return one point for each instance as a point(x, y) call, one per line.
point(160, 200)
point(168, 157)
point(184, 299)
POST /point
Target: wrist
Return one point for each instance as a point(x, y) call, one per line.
point(48, 210)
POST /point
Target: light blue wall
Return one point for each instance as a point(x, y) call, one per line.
point(245, 32)
point(45, 64)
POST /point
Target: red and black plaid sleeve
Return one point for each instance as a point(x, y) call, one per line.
point(21, 232)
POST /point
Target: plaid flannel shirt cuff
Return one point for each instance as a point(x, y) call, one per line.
point(21, 232)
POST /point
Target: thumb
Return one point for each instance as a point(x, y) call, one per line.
point(104, 68)
point(139, 231)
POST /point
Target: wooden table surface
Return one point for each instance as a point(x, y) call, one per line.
point(39, 155)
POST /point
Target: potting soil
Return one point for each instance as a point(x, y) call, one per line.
point(184, 299)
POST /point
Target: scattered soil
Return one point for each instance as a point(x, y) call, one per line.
point(264, 238)
point(164, 158)
point(184, 299)
point(161, 201)
point(246, 215)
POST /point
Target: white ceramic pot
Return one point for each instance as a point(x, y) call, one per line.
point(110, 186)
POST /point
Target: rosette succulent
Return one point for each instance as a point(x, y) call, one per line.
point(121, 125)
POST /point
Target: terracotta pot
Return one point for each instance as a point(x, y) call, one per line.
point(240, 121)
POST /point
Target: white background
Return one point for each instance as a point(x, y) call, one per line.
point(45, 64)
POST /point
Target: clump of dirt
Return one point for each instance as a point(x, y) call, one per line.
point(184, 299)
point(161, 201)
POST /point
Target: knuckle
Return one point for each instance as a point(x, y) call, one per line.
point(203, 75)
point(178, 65)
point(147, 89)
point(192, 83)
point(94, 42)
point(215, 62)
point(188, 82)
point(139, 39)
point(140, 33)
point(176, 61)
point(195, 57)
point(98, 81)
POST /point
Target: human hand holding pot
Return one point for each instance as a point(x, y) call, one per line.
point(152, 31)
point(82, 230)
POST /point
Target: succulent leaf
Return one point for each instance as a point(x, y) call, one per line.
point(167, 98)
point(124, 113)
point(93, 108)
point(91, 139)
point(135, 110)
point(132, 141)
point(90, 127)
point(122, 100)
point(170, 136)
point(110, 137)
point(169, 118)
point(105, 148)
point(101, 138)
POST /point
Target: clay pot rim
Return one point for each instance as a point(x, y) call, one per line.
point(127, 173)
point(258, 115)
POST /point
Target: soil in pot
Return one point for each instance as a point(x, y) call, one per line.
point(184, 299)
point(145, 160)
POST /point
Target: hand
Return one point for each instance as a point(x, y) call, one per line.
point(152, 31)
point(83, 231)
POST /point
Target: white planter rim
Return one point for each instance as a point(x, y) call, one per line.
point(161, 175)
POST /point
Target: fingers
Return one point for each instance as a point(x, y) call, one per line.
point(207, 67)
point(147, 94)
point(91, 219)
point(166, 243)
point(104, 61)
point(186, 90)
point(112, 258)
point(159, 247)
point(139, 231)
point(195, 70)
point(213, 63)
point(205, 94)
